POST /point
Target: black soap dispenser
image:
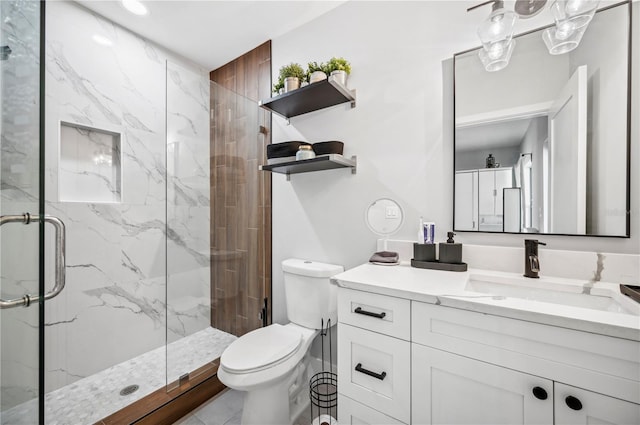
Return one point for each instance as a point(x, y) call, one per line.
point(451, 251)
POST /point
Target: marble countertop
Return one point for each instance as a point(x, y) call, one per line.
point(452, 289)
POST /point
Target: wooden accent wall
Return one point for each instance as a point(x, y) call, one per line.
point(240, 194)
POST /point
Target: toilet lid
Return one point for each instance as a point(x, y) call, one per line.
point(261, 349)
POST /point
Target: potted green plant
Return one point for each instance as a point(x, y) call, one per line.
point(290, 77)
point(279, 86)
point(315, 72)
point(339, 68)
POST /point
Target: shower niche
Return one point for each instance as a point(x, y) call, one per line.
point(90, 166)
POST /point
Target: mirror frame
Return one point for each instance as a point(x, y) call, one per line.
point(627, 234)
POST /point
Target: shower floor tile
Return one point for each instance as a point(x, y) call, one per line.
point(95, 397)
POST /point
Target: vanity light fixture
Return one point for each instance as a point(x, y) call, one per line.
point(571, 20)
point(496, 32)
point(136, 7)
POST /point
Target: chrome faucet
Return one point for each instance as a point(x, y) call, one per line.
point(531, 261)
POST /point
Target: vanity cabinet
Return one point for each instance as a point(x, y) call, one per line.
point(353, 413)
point(448, 388)
point(375, 370)
point(431, 364)
point(576, 406)
point(374, 358)
point(451, 389)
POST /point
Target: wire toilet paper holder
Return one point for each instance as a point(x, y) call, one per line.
point(323, 386)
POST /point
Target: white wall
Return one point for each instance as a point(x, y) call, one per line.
point(474, 159)
point(401, 131)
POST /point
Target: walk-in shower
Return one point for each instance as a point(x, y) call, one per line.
point(153, 172)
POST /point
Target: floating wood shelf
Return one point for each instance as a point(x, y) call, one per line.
point(325, 162)
point(313, 97)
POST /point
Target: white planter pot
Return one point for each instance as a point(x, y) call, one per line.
point(340, 76)
point(291, 83)
point(317, 76)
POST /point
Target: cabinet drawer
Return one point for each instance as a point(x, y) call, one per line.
point(379, 313)
point(350, 412)
point(375, 369)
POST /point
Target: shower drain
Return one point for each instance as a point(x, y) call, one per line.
point(129, 389)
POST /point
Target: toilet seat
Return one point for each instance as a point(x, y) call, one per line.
point(261, 349)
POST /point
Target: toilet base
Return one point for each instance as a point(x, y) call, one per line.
point(281, 402)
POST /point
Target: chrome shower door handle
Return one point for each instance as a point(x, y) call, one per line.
point(61, 252)
point(60, 262)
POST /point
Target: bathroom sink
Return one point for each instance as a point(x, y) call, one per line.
point(602, 297)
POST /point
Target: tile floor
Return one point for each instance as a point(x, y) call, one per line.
point(226, 409)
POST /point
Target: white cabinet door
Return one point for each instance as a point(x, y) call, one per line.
point(578, 406)
point(466, 207)
point(486, 192)
point(451, 389)
point(503, 178)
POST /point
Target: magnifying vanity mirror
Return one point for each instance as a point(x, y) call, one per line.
point(384, 217)
point(542, 146)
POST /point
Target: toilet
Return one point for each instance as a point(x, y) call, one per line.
point(271, 364)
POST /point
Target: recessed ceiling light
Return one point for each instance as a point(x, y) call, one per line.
point(136, 7)
point(101, 39)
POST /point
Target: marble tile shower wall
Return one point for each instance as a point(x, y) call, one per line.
point(118, 254)
point(188, 206)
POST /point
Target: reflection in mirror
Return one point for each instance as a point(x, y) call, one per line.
point(542, 146)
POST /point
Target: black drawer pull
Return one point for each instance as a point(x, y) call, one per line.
point(573, 403)
point(379, 376)
point(359, 310)
point(540, 393)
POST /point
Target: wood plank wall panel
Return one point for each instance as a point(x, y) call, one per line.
point(241, 195)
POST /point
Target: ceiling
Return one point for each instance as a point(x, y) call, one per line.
point(211, 32)
point(493, 135)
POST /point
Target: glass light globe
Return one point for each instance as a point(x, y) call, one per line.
point(580, 7)
point(579, 12)
point(494, 63)
point(496, 50)
point(564, 30)
point(559, 43)
point(498, 26)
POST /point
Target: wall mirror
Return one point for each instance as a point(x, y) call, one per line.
point(542, 146)
point(384, 217)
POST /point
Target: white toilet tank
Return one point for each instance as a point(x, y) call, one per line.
point(310, 296)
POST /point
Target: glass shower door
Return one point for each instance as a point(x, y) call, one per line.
point(20, 207)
